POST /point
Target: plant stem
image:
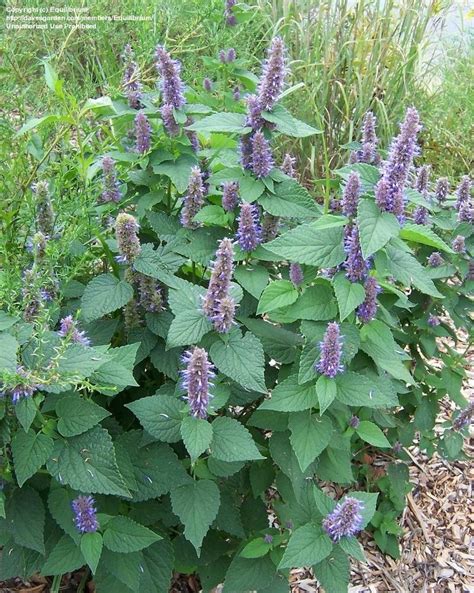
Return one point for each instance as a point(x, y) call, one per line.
point(56, 583)
point(82, 584)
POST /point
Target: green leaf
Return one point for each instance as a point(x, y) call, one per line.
point(288, 396)
point(158, 562)
point(30, 452)
point(178, 171)
point(351, 546)
point(349, 294)
point(118, 370)
point(248, 574)
point(122, 534)
point(221, 122)
point(375, 227)
point(160, 416)
point(309, 245)
point(371, 433)
point(333, 572)
point(25, 411)
point(188, 327)
point(377, 341)
point(231, 441)
point(278, 293)
point(252, 278)
point(424, 235)
point(214, 215)
point(6, 321)
point(160, 263)
point(370, 504)
point(79, 361)
point(64, 557)
point(308, 545)
point(59, 504)
point(36, 122)
point(197, 505)
point(2, 505)
point(277, 342)
point(26, 516)
point(87, 463)
point(316, 304)
point(369, 175)
point(290, 200)
point(104, 294)
point(326, 390)
point(359, 390)
point(287, 124)
point(241, 359)
point(407, 270)
point(91, 548)
point(309, 436)
point(77, 415)
point(256, 548)
point(196, 434)
point(8, 350)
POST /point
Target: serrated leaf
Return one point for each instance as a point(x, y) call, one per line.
point(188, 327)
point(64, 557)
point(371, 433)
point(8, 350)
point(178, 171)
point(117, 371)
point(196, 434)
point(308, 545)
point(213, 215)
point(369, 174)
point(309, 436)
point(279, 293)
point(59, 505)
point(91, 548)
point(252, 278)
point(221, 122)
point(289, 396)
point(291, 200)
point(315, 304)
point(160, 415)
point(349, 294)
point(248, 574)
point(122, 534)
point(241, 359)
point(256, 548)
point(326, 390)
point(351, 546)
point(375, 227)
point(357, 390)
point(197, 505)
point(26, 517)
point(333, 572)
point(158, 562)
point(30, 452)
point(87, 463)
point(422, 234)
point(309, 245)
point(104, 294)
point(370, 504)
point(287, 124)
point(407, 270)
point(77, 415)
point(231, 441)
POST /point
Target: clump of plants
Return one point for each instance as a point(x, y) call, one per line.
point(207, 396)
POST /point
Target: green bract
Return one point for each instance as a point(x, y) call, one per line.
point(110, 419)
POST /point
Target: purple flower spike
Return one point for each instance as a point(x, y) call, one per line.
point(196, 379)
point(262, 160)
point(288, 165)
point(390, 188)
point(126, 232)
point(368, 309)
point(355, 265)
point(420, 215)
point(435, 260)
point(169, 70)
point(268, 539)
point(231, 55)
point(142, 133)
point(270, 226)
point(249, 233)
point(296, 274)
point(273, 75)
point(131, 78)
point(222, 56)
point(223, 318)
point(464, 418)
point(422, 179)
point(433, 320)
point(24, 388)
point(345, 520)
point(350, 197)
point(246, 151)
point(207, 84)
point(150, 294)
point(254, 113)
point(236, 93)
point(368, 151)
point(466, 213)
point(230, 195)
point(69, 329)
point(459, 244)
point(230, 18)
point(463, 193)
point(354, 422)
point(329, 363)
point(169, 122)
point(193, 200)
point(441, 190)
point(221, 276)
point(111, 192)
point(85, 514)
point(44, 208)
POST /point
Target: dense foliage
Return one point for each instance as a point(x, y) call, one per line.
point(231, 347)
